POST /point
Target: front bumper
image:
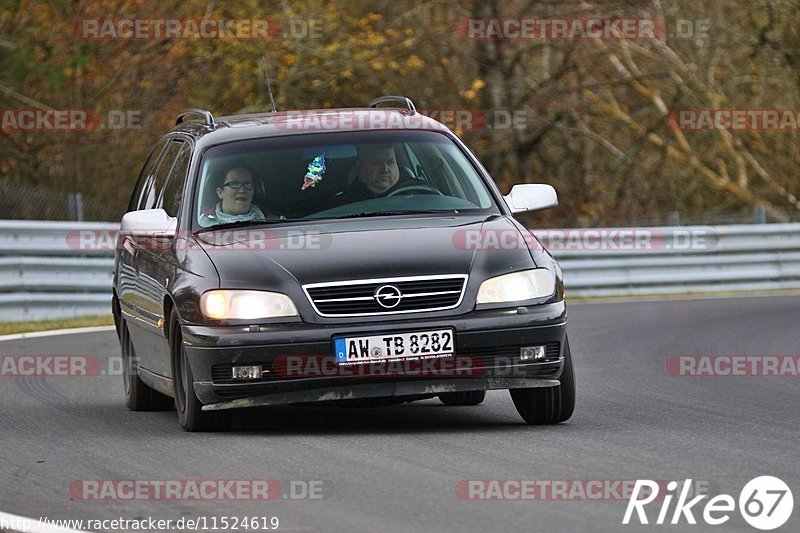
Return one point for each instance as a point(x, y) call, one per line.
point(487, 343)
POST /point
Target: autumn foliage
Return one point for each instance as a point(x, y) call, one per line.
point(589, 116)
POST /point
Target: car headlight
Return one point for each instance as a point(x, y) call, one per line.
point(518, 286)
point(231, 304)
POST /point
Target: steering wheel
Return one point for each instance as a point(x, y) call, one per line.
point(425, 189)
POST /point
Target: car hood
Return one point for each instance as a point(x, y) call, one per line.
point(268, 257)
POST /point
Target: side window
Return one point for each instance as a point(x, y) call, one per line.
point(173, 192)
point(145, 176)
point(155, 185)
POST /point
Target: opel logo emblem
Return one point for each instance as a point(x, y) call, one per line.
point(388, 296)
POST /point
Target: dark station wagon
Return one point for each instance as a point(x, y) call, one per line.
point(355, 256)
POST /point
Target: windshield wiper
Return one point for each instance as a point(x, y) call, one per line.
point(243, 223)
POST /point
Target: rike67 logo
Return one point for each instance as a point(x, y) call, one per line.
point(765, 503)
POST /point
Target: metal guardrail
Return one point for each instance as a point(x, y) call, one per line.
point(681, 260)
point(47, 271)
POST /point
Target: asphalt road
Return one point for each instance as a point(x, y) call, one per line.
point(397, 468)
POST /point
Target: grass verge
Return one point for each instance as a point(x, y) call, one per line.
point(7, 328)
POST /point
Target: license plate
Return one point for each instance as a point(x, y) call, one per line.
point(417, 345)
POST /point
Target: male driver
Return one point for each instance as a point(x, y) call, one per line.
point(378, 173)
point(377, 168)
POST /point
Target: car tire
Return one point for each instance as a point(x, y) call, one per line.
point(473, 397)
point(138, 396)
point(550, 405)
point(191, 416)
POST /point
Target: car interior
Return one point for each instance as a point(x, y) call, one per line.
point(279, 176)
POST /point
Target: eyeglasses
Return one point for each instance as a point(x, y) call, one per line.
point(236, 185)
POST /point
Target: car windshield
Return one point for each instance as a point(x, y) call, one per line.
point(336, 175)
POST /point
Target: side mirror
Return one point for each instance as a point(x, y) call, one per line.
point(531, 197)
point(148, 223)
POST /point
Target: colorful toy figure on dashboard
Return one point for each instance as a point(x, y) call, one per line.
point(316, 170)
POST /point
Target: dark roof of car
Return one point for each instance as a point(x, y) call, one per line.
point(235, 127)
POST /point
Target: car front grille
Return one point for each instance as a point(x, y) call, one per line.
point(358, 298)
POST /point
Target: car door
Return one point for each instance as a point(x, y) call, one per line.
point(157, 261)
point(145, 327)
point(127, 265)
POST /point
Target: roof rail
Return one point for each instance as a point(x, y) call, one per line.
point(208, 118)
point(385, 99)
